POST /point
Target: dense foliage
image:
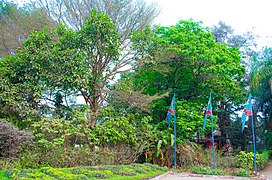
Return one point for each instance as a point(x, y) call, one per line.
point(69, 85)
point(133, 171)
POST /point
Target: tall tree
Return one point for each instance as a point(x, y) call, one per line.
point(262, 90)
point(186, 59)
point(82, 62)
point(246, 44)
point(17, 22)
point(127, 15)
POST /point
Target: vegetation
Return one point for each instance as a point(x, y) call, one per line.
point(85, 88)
point(133, 171)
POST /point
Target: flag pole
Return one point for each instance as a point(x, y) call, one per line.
point(254, 143)
point(213, 154)
point(175, 140)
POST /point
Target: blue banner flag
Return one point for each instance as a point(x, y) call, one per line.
point(171, 112)
point(247, 111)
point(208, 112)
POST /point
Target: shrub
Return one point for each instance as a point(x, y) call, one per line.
point(246, 160)
point(156, 167)
point(242, 172)
point(102, 174)
point(263, 159)
point(226, 162)
point(123, 153)
point(12, 140)
point(140, 168)
point(206, 170)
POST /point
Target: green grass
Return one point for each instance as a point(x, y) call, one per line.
point(2, 175)
point(109, 172)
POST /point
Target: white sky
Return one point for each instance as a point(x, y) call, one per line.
point(241, 15)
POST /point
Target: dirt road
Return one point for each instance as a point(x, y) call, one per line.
point(265, 174)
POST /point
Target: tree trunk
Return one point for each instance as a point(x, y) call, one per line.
point(94, 116)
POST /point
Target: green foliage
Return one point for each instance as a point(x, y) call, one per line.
point(267, 140)
point(53, 132)
point(110, 172)
point(119, 129)
point(206, 170)
point(63, 60)
point(185, 59)
point(261, 87)
point(242, 172)
point(210, 171)
point(190, 119)
point(246, 159)
point(123, 127)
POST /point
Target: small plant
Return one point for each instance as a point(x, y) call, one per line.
point(242, 172)
point(101, 174)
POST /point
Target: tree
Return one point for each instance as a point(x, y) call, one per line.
point(246, 44)
point(17, 22)
point(187, 60)
point(82, 62)
point(262, 90)
point(127, 15)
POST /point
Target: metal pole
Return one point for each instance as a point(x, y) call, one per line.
point(213, 153)
point(175, 142)
point(254, 144)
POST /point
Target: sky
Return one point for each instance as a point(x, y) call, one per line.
point(241, 15)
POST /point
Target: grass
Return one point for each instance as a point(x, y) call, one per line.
point(2, 176)
point(109, 172)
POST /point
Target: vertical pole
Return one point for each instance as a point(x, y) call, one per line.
point(254, 144)
point(175, 142)
point(213, 153)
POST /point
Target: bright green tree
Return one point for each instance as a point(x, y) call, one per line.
point(186, 59)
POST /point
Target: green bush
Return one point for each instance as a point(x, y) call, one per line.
point(206, 170)
point(156, 167)
point(210, 171)
point(246, 160)
point(242, 172)
point(140, 168)
point(38, 175)
point(263, 159)
point(101, 174)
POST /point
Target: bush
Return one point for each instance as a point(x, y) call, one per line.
point(246, 160)
point(226, 162)
point(206, 170)
point(12, 140)
point(242, 172)
point(210, 171)
point(123, 153)
point(263, 159)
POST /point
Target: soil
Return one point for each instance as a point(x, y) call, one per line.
point(267, 172)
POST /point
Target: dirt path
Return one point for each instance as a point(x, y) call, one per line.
point(267, 172)
point(181, 176)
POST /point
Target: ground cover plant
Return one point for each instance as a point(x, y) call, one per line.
point(236, 165)
point(111, 172)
